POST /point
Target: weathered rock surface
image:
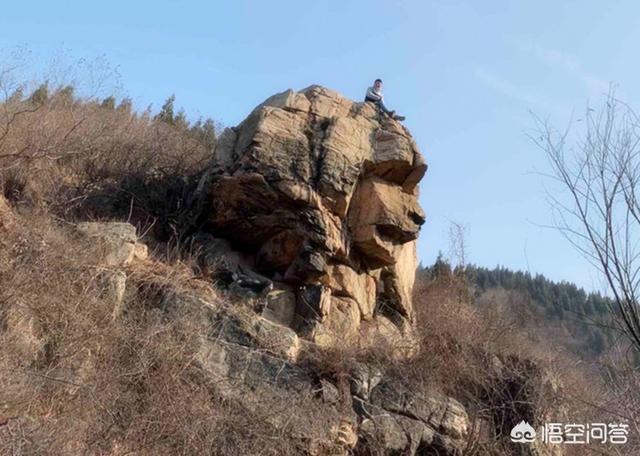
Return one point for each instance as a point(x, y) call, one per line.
point(318, 195)
point(396, 420)
point(119, 242)
point(252, 361)
point(7, 219)
point(118, 248)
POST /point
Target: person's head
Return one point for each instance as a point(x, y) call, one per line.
point(377, 84)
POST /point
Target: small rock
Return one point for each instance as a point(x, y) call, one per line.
point(279, 339)
point(118, 240)
point(364, 378)
point(114, 284)
point(280, 306)
point(330, 393)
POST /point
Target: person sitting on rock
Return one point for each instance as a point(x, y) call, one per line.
point(374, 95)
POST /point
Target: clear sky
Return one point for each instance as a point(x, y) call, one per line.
point(465, 73)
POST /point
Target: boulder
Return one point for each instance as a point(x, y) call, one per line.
point(118, 241)
point(384, 432)
point(396, 159)
point(442, 413)
point(320, 192)
point(397, 421)
point(397, 336)
point(327, 103)
point(118, 249)
point(252, 360)
point(329, 392)
point(278, 339)
point(392, 434)
point(381, 218)
point(113, 287)
point(280, 306)
point(289, 101)
point(339, 325)
point(339, 172)
point(364, 378)
point(346, 282)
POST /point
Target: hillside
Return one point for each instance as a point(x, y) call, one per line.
point(168, 290)
point(560, 311)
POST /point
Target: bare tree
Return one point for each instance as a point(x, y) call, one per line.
point(597, 208)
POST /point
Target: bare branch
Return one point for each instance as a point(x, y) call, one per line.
point(600, 213)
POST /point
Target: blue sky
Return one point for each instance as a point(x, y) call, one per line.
point(465, 73)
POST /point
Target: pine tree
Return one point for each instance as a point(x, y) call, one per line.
point(166, 113)
point(126, 105)
point(441, 268)
point(40, 95)
point(109, 103)
point(205, 132)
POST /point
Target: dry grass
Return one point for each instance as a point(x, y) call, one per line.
point(504, 373)
point(500, 373)
point(85, 159)
point(74, 380)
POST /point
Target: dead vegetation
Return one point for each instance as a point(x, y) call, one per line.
point(505, 373)
point(86, 158)
point(74, 380)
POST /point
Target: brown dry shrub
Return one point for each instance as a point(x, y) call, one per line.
point(503, 372)
point(80, 159)
point(74, 380)
point(483, 358)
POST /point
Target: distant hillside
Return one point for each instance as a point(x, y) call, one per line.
point(561, 311)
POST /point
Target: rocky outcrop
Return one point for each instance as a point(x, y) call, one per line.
point(117, 248)
point(252, 361)
point(317, 195)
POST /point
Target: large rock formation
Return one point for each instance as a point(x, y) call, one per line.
point(318, 195)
